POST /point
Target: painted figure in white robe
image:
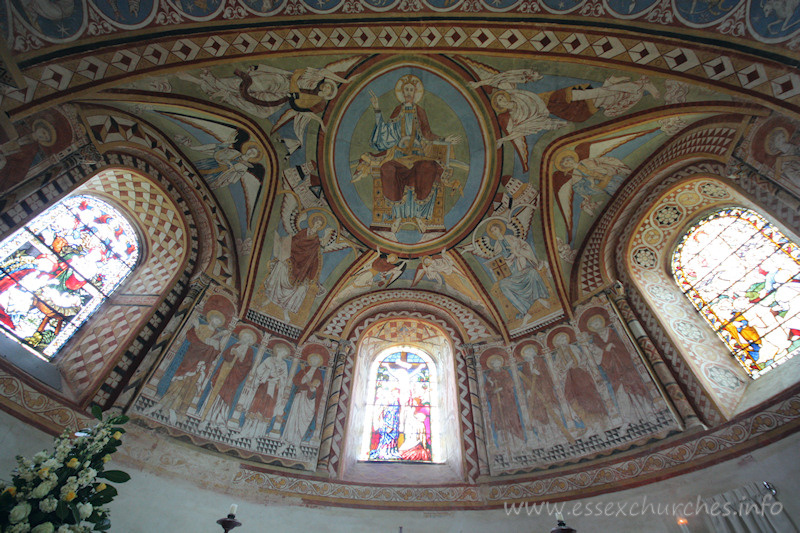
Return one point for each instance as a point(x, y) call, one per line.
point(307, 398)
point(262, 395)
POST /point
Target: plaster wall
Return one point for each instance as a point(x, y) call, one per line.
point(152, 503)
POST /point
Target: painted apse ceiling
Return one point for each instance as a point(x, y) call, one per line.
point(452, 205)
point(472, 163)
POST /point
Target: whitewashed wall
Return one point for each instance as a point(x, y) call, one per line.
point(149, 503)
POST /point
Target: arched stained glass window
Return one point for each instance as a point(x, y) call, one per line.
point(743, 275)
point(401, 411)
point(57, 270)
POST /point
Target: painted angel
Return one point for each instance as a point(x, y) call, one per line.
point(519, 112)
point(226, 91)
point(377, 273)
point(443, 270)
point(229, 162)
point(306, 90)
point(617, 94)
point(520, 282)
point(297, 257)
point(587, 171)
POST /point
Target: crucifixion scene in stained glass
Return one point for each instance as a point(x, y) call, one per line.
point(401, 410)
point(743, 276)
point(58, 269)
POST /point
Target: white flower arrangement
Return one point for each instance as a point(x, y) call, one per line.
point(59, 492)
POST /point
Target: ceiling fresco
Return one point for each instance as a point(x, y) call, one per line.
point(474, 177)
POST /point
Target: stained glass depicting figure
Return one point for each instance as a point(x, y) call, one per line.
point(743, 275)
point(401, 409)
point(58, 269)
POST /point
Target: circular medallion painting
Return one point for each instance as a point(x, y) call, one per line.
point(409, 159)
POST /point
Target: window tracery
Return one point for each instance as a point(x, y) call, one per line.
point(403, 384)
point(743, 275)
point(60, 267)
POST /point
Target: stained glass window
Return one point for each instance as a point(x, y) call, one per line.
point(401, 408)
point(56, 271)
point(743, 276)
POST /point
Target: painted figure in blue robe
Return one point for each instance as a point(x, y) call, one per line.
point(524, 286)
point(412, 158)
point(387, 432)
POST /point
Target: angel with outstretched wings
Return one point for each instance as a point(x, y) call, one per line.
point(297, 256)
point(587, 170)
point(514, 264)
point(306, 90)
point(379, 272)
point(235, 159)
point(519, 112)
point(443, 270)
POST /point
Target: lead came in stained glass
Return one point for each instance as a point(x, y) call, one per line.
point(56, 271)
point(401, 410)
point(743, 276)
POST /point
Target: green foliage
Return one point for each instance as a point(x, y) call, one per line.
point(65, 487)
point(115, 476)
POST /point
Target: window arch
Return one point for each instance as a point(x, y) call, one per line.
point(60, 267)
point(743, 275)
point(382, 341)
point(403, 412)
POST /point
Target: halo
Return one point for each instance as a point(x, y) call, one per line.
point(328, 83)
point(214, 313)
point(316, 216)
point(768, 148)
point(594, 320)
point(494, 357)
point(392, 258)
point(493, 224)
point(529, 348)
point(247, 330)
point(315, 359)
point(561, 156)
point(283, 346)
point(497, 107)
point(42, 123)
point(406, 80)
point(559, 337)
point(252, 144)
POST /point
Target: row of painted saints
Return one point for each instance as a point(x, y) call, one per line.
point(227, 382)
point(581, 387)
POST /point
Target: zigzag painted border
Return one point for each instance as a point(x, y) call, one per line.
point(773, 82)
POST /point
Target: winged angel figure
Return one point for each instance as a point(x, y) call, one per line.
point(513, 262)
point(443, 270)
point(307, 91)
point(235, 159)
point(587, 170)
point(297, 256)
point(519, 112)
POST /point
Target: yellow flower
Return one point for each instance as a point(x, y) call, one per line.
point(101, 487)
point(106, 458)
point(73, 463)
point(11, 490)
point(68, 497)
point(117, 436)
